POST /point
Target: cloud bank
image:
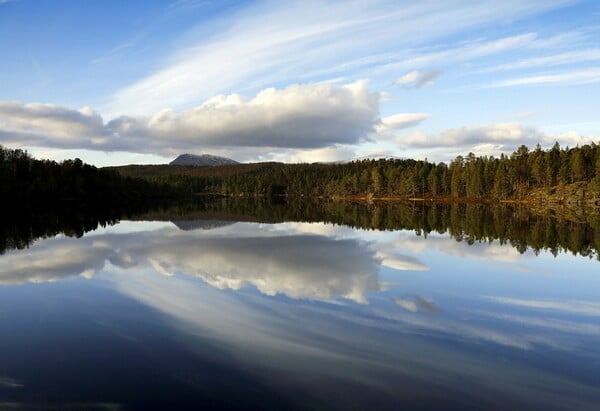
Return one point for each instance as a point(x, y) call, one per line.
point(298, 116)
point(502, 133)
point(489, 139)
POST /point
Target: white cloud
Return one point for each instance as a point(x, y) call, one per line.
point(491, 139)
point(416, 79)
point(325, 155)
point(408, 78)
point(298, 116)
point(50, 125)
point(401, 120)
point(574, 77)
point(571, 139)
point(503, 133)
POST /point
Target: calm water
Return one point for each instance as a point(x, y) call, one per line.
point(291, 315)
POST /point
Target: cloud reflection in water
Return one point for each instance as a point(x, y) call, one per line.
point(308, 266)
point(392, 342)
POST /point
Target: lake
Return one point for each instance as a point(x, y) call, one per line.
point(238, 305)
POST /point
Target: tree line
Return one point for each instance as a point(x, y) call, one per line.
point(514, 176)
point(505, 177)
point(24, 179)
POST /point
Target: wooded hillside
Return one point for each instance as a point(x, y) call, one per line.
point(524, 172)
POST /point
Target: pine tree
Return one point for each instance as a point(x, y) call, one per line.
point(577, 165)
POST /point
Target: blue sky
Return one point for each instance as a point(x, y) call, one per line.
point(120, 82)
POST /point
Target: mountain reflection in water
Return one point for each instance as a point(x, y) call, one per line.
point(300, 315)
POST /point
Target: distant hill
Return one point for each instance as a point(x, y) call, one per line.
point(151, 171)
point(203, 160)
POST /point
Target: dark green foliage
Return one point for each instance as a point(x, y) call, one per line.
point(24, 180)
point(470, 177)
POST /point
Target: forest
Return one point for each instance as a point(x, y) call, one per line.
point(25, 180)
point(525, 174)
point(557, 174)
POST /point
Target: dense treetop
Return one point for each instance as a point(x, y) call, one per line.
point(42, 182)
point(472, 177)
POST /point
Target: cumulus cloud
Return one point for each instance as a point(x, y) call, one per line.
point(417, 79)
point(50, 125)
point(298, 116)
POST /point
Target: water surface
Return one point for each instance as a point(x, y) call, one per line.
point(215, 313)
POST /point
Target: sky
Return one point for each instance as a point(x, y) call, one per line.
point(115, 82)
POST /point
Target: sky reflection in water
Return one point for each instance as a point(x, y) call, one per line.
point(294, 315)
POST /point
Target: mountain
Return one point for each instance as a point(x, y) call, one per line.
point(203, 160)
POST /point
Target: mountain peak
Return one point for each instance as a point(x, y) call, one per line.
point(201, 160)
